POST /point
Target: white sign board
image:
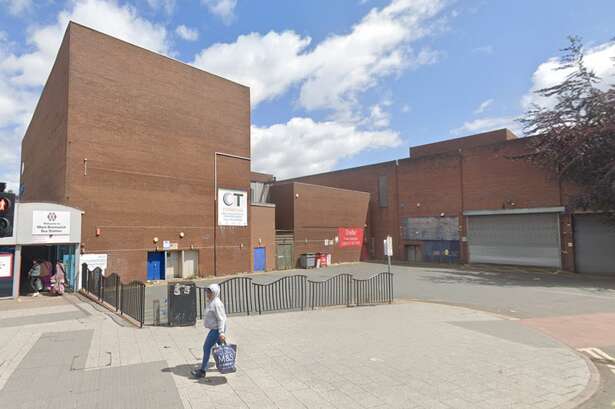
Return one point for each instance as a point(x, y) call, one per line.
point(232, 207)
point(50, 222)
point(95, 260)
point(388, 246)
point(6, 265)
point(166, 244)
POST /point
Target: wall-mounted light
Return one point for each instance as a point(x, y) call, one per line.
point(98, 232)
point(260, 241)
point(418, 205)
point(442, 214)
point(181, 235)
point(155, 240)
point(296, 195)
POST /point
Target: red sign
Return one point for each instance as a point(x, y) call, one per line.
point(350, 236)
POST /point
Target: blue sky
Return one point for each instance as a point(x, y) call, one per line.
point(334, 83)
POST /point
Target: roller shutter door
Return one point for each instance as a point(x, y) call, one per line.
point(595, 244)
point(517, 239)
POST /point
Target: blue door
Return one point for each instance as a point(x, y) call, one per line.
point(259, 259)
point(155, 265)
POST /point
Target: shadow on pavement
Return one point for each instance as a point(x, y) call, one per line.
point(523, 279)
point(185, 369)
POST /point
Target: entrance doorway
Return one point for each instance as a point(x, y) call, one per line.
point(155, 265)
point(413, 253)
point(48, 256)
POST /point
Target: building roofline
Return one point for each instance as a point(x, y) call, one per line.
point(71, 22)
point(290, 182)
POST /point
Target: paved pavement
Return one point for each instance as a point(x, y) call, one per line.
point(578, 310)
point(404, 355)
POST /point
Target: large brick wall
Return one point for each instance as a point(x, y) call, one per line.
point(149, 128)
point(481, 172)
point(44, 145)
point(315, 213)
point(381, 221)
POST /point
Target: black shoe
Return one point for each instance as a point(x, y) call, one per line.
point(198, 373)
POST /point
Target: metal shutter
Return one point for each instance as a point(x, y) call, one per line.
point(517, 239)
point(595, 244)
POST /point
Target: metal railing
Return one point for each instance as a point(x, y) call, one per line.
point(127, 299)
point(374, 290)
point(110, 290)
point(241, 295)
point(132, 301)
point(337, 290)
point(283, 294)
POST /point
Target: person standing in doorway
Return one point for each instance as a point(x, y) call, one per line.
point(34, 274)
point(215, 321)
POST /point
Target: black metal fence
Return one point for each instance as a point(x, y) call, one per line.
point(286, 293)
point(374, 290)
point(337, 290)
point(241, 295)
point(127, 299)
point(132, 302)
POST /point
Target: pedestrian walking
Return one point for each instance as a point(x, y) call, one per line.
point(215, 321)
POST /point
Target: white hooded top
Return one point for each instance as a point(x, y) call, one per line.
point(215, 315)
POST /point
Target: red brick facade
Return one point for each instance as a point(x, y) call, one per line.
point(315, 213)
point(134, 145)
point(479, 172)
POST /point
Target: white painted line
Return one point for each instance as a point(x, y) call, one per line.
point(590, 352)
point(604, 354)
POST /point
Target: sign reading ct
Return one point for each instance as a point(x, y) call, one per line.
point(232, 207)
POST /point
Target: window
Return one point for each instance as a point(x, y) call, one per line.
point(383, 194)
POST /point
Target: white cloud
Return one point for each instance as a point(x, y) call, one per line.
point(599, 59)
point(23, 74)
point(167, 5)
point(188, 34)
point(378, 118)
point(16, 7)
point(339, 68)
point(269, 64)
point(405, 108)
point(225, 9)
point(489, 124)
point(106, 16)
point(483, 106)
point(303, 146)
point(330, 75)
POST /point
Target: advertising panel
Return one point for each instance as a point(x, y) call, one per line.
point(232, 207)
point(6, 265)
point(350, 236)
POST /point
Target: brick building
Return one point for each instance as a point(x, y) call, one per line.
point(141, 143)
point(469, 200)
point(318, 219)
point(156, 154)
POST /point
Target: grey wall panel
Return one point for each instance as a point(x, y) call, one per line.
point(524, 239)
point(430, 228)
point(595, 244)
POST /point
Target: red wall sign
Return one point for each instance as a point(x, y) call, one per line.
point(350, 236)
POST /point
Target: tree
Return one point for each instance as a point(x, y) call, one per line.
point(575, 136)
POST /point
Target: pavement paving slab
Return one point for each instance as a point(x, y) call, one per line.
point(402, 355)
